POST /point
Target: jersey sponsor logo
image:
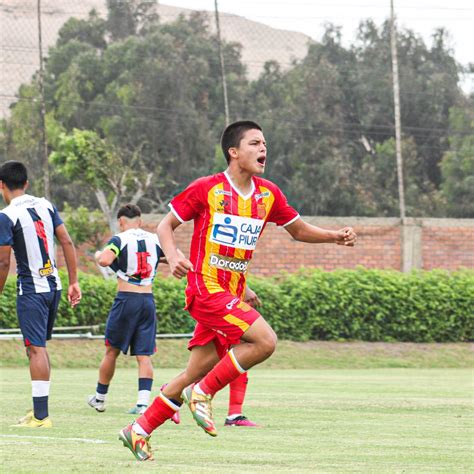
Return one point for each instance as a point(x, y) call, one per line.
point(228, 263)
point(221, 205)
point(262, 195)
point(220, 192)
point(47, 270)
point(230, 305)
point(236, 231)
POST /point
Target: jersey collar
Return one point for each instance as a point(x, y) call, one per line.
point(19, 199)
point(246, 196)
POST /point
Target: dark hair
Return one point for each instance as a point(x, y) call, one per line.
point(129, 210)
point(13, 174)
point(234, 133)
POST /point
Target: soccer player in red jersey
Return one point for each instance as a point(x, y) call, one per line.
point(230, 210)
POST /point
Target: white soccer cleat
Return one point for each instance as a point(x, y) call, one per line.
point(99, 405)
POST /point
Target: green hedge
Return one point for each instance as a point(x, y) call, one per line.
point(370, 305)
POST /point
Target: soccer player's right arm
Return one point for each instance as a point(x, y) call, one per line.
point(6, 241)
point(106, 257)
point(5, 251)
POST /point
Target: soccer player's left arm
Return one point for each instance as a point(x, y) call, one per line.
point(74, 291)
point(304, 232)
point(5, 252)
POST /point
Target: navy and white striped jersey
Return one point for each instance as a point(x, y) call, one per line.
point(28, 225)
point(137, 256)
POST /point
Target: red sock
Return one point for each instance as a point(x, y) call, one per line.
point(224, 372)
point(237, 387)
point(158, 412)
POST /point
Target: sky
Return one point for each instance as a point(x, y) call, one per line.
point(309, 16)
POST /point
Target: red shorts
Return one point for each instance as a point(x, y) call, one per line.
point(221, 317)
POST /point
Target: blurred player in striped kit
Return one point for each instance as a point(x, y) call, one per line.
point(133, 255)
point(28, 225)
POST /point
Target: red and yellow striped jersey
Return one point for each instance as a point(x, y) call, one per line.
point(227, 226)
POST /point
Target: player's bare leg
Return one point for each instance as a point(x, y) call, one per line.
point(106, 373)
point(258, 343)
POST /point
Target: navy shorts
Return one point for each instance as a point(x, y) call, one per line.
point(36, 315)
point(132, 323)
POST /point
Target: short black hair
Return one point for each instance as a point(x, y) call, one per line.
point(234, 133)
point(14, 175)
point(129, 210)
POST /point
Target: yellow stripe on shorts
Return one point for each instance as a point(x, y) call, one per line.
point(230, 318)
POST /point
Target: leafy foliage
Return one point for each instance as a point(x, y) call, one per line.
point(369, 305)
point(83, 156)
point(85, 226)
point(457, 166)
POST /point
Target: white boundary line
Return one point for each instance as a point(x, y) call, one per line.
point(83, 440)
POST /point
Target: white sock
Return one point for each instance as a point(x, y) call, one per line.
point(199, 390)
point(234, 416)
point(139, 430)
point(100, 396)
point(143, 397)
point(40, 388)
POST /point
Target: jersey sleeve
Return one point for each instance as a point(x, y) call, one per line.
point(188, 204)
point(55, 217)
point(282, 213)
point(114, 244)
point(6, 230)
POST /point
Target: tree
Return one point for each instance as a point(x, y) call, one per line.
point(85, 226)
point(85, 157)
point(457, 166)
point(149, 93)
point(378, 184)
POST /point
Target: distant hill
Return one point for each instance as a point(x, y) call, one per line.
point(19, 38)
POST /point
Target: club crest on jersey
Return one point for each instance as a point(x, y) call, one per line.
point(236, 231)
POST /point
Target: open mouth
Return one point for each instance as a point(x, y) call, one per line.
point(261, 160)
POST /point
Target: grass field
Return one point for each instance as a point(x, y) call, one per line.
point(85, 354)
point(333, 420)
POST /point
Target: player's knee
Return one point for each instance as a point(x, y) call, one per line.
point(33, 351)
point(268, 344)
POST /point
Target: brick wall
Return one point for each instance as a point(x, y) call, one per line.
point(448, 243)
point(444, 243)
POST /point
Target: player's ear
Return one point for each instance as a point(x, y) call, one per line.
point(233, 152)
point(27, 184)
